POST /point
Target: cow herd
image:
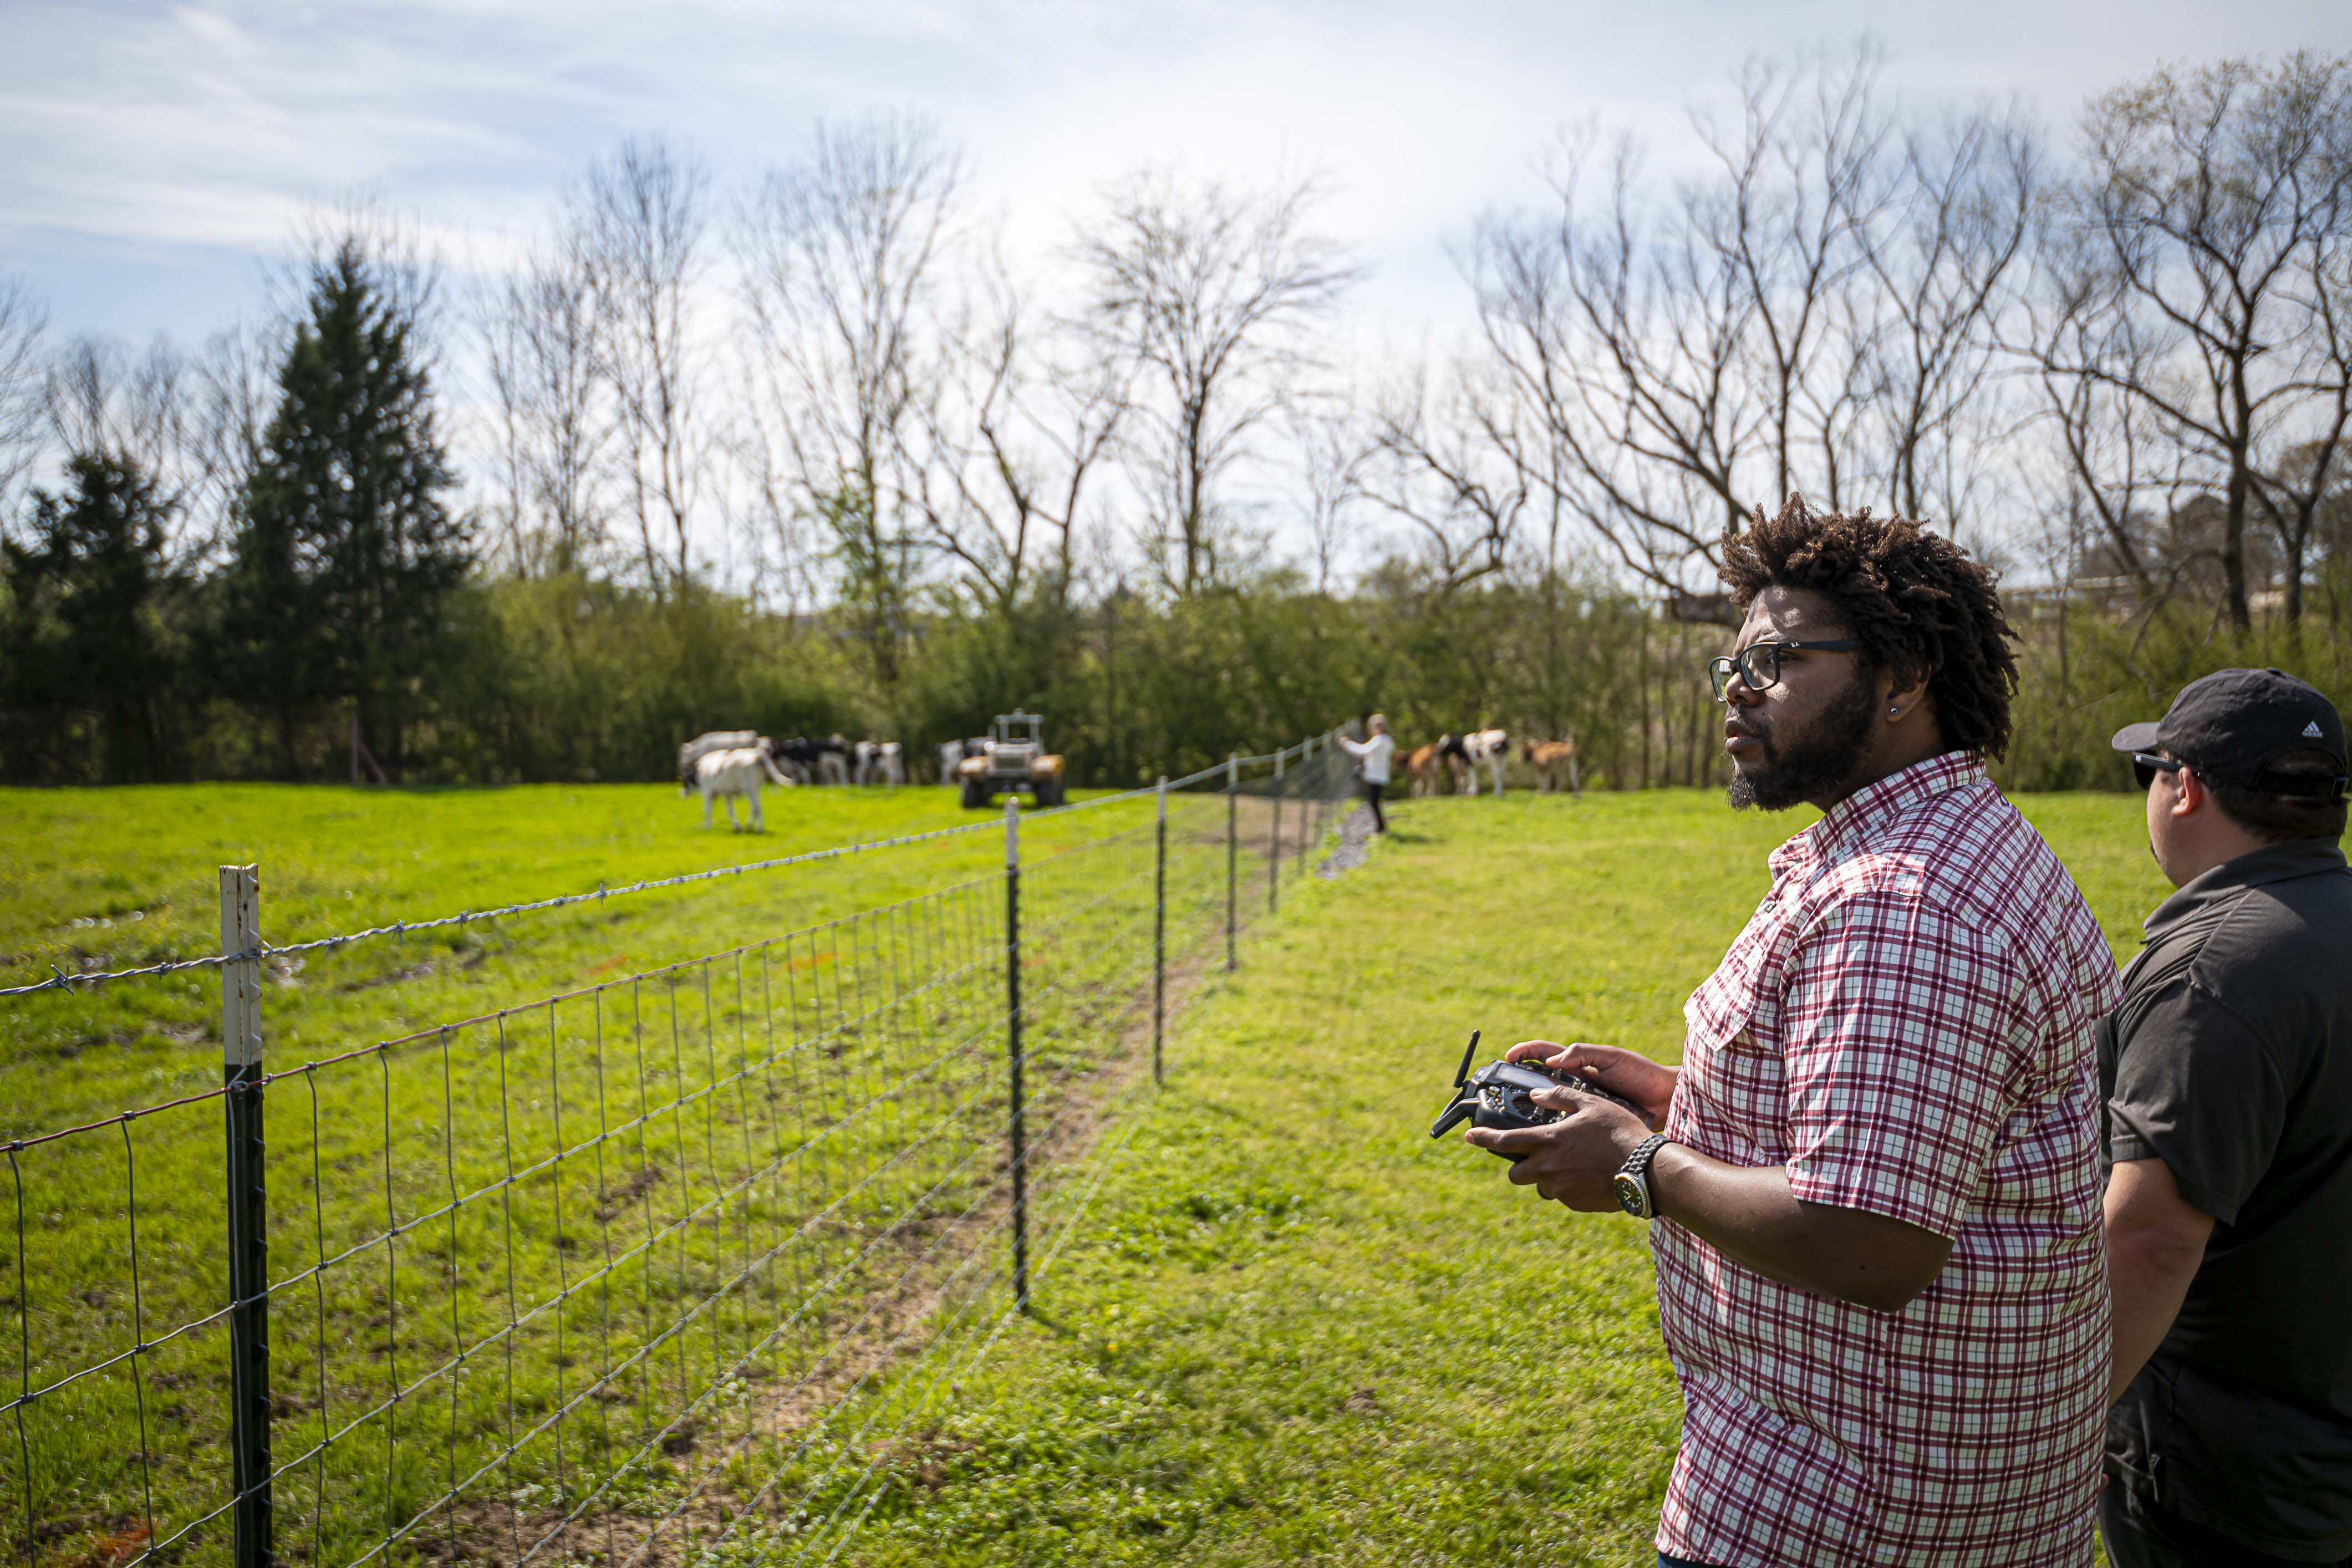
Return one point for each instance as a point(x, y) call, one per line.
point(723, 765)
point(727, 764)
point(1484, 754)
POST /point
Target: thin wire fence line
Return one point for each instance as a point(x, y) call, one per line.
point(554, 1417)
point(1004, 1316)
point(851, 1054)
point(506, 1333)
point(676, 1330)
point(1104, 1162)
point(505, 1184)
point(882, 1356)
point(60, 979)
point(518, 1009)
point(881, 1298)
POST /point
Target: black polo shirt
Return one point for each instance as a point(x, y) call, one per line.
point(2229, 1058)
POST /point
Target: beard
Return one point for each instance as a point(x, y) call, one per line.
point(1813, 762)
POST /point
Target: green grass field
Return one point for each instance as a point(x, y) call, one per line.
point(1300, 1331)
point(1293, 1328)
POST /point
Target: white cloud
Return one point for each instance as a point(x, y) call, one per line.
point(156, 153)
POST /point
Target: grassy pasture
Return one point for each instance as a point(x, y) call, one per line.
point(1301, 1332)
point(826, 1083)
point(1292, 1330)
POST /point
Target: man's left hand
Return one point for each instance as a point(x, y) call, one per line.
point(1570, 1160)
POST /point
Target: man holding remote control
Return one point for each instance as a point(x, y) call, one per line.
point(1874, 1181)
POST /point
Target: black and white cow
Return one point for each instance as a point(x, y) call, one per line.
point(877, 762)
point(796, 756)
point(1490, 749)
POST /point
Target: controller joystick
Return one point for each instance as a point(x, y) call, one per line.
point(1502, 1095)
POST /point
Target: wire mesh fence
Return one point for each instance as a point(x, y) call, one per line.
point(653, 1267)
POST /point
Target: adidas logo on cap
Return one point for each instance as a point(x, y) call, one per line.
point(2311, 731)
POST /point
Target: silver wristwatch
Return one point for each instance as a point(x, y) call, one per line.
point(1632, 1178)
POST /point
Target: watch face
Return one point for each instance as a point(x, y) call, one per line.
point(1629, 1195)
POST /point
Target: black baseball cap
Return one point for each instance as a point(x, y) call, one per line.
point(2234, 724)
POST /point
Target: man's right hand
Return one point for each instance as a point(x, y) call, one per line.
point(1629, 1074)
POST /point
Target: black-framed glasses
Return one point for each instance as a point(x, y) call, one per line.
point(2146, 765)
point(1759, 664)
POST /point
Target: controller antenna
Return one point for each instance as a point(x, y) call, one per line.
point(1463, 1072)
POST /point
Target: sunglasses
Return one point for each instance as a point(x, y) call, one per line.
point(2146, 765)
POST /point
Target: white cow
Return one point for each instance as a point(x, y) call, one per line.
point(951, 755)
point(1488, 749)
point(740, 771)
point(707, 741)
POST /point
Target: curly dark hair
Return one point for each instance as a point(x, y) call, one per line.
point(1914, 599)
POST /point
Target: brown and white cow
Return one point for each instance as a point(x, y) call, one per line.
point(1552, 760)
point(1421, 765)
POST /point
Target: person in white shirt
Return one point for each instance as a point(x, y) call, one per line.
point(1373, 762)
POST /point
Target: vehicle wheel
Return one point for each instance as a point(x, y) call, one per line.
point(1049, 794)
point(975, 794)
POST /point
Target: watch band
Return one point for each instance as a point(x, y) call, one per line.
point(1633, 1179)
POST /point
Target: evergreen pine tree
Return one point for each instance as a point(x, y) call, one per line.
point(344, 549)
point(86, 637)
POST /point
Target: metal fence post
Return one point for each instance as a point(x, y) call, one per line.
point(1013, 1050)
point(1233, 844)
point(1334, 776)
point(1159, 936)
point(1306, 798)
point(248, 1231)
point(1274, 842)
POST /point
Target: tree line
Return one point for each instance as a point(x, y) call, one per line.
point(812, 454)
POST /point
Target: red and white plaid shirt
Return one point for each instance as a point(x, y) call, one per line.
point(1906, 1025)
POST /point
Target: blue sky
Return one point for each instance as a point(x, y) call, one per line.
point(158, 156)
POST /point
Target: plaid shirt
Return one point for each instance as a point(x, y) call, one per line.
point(1906, 1025)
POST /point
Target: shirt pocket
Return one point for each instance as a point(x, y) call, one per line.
point(1733, 1082)
point(1734, 1008)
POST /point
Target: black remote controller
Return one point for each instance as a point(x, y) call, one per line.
point(1501, 1095)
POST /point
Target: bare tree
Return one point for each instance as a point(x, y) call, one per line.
point(2122, 467)
point(1947, 267)
point(1020, 424)
point(1214, 292)
point(1460, 465)
point(1336, 458)
point(637, 228)
point(1816, 311)
point(232, 392)
point(1788, 225)
point(1624, 333)
point(840, 258)
point(2207, 246)
point(23, 319)
point(102, 396)
point(538, 334)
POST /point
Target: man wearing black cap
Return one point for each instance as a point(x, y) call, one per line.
point(2226, 1080)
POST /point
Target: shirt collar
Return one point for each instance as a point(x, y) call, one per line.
point(1862, 814)
point(2271, 863)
